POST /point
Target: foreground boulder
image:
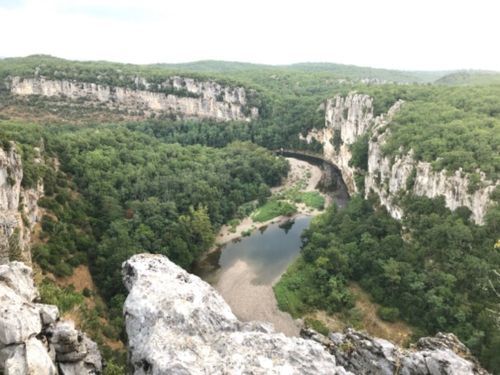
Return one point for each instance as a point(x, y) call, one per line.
point(33, 339)
point(178, 324)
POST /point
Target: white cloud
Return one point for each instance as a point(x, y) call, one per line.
point(426, 34)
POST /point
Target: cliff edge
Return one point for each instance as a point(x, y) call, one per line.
point(178, 324)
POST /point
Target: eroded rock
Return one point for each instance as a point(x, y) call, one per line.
point(32, 338)
point(179, 96)
point(176, 323)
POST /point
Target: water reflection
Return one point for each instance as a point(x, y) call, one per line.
point(268, 253)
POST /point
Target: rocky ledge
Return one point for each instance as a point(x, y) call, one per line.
point(362, 354)
point(178, 324)
point(33, 338)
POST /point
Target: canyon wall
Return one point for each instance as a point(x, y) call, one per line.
point(19, 211)
point(176, 96)
point(346, 119)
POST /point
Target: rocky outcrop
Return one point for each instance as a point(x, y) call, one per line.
point(33, 340)
point(176, 323)
point(176, 96)
point(362, 354)
point(19, 211)
point(346, 119)
point(387, 178)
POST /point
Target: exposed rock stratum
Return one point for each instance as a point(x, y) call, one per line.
point(176, 96)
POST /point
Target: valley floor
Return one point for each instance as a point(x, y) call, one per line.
point(256, 301)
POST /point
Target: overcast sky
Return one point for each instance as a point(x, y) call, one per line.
point(402, 34)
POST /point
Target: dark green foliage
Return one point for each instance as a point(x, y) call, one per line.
point(438, 278)
point(359, 151)
point(337, 140)
point(148, 196)
point(451, 127)
point(390, 314)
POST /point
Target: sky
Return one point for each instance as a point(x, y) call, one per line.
point(394, 34)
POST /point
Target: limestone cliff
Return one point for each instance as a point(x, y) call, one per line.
point(346, 119)
point(19, 210)
point(176, 96)
point(33, 339)
point(178, 324)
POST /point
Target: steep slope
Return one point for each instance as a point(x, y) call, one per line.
point(177, 96)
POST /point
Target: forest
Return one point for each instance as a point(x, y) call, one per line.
point(434, 269)
point(116, 187)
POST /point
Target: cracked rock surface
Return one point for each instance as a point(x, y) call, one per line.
point(33, 339)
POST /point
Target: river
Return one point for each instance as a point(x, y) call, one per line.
point(244, 270)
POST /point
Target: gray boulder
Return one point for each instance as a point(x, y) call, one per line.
point(32, 338)
point(443, 354)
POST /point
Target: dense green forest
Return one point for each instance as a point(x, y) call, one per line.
point(434, 269)
point(120, 192)
point(115, 187)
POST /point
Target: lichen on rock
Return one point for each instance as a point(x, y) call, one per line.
point(178, 324)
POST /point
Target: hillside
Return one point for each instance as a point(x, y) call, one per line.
point(470, 78)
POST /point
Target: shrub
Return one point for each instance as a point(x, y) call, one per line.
point(389, 314)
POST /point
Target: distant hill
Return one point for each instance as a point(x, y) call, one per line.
point(470, 77)
point(27, 65)
point(339, 70)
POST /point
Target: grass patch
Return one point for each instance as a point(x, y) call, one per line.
point(64, 298)
point(293, 287)
point(317, 325)
point(313, 199)
point(233, 223)
point(272, 209)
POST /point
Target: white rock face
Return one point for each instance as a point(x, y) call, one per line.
point(178, 324)
point(16, 202)
point(207, 100)
point(32, 338)
point(346, 119)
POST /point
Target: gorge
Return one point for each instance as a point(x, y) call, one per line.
point(282, 187)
